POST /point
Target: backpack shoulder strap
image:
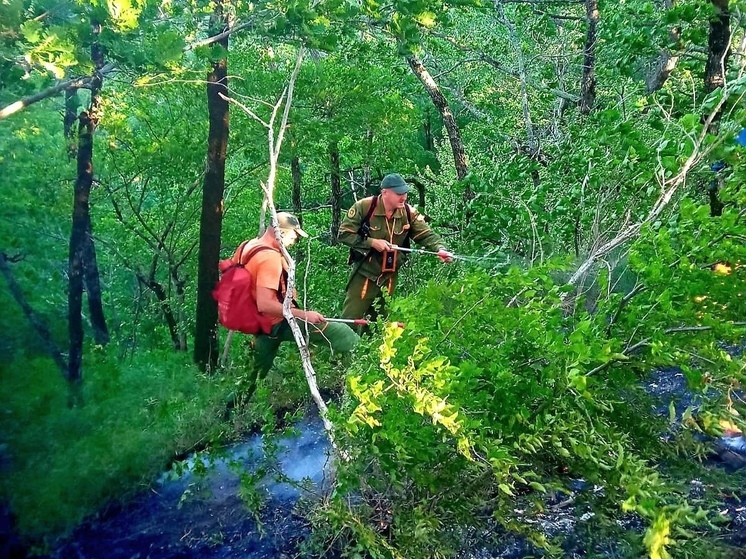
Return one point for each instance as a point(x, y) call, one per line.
point(242, 261)
point(371, 209)
point(408, 209)
point(364, 229)
point(239, 252)
point(283, 283)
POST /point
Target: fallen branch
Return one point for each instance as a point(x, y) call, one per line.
point(639, 288)
point(668, 189)
point(73, 83)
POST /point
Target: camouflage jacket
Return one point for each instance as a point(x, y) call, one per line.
point(367, 261)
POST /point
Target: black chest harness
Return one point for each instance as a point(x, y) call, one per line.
point(389, 256)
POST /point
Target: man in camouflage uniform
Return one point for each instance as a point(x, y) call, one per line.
point(375, 264)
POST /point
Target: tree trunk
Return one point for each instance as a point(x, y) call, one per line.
point(206, 348)
point(420, 194)
point(662, 70)
point(336, 190)
point(588, 81)
point(92, 284)
point(91, 278)
point(36, 322)
point(179, 284)
point(367, 178)
point(82, 265)
point(454, 134)
point(718, 44)
point(427, 129)
point(667, 61)
point(80, 221)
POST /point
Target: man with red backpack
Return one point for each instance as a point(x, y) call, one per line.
point(262, 258)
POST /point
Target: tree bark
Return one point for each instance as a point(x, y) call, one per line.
point(336, 191)
point(92, 285)
point(91, 278)
point(34, 320)
point(718, 52)
point(420, 194)
point(427, 129)
point(80, 220)
point(454, 134)
point(588, 80)
point(206, 348)
point(667, 61)
point(718, 44)
point(82, 265)
point(367, 178)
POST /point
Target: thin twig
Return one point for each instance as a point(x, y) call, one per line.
point(445, 337)
point(639, 288)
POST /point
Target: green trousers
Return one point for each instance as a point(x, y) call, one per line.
point(364, 297)
point(340, 338)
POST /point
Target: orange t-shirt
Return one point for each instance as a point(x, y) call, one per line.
point(266, 267)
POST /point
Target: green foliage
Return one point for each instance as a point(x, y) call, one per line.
point(495, 394)
point(505, 384)
point(137, 415)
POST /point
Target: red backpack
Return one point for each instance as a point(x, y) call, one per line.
point(235, 294)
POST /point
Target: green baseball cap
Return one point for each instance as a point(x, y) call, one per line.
point(395, 182)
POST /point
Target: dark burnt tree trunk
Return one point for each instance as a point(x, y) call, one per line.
point(82, 265)
point(36, 322)
point(588, 80)
point(91, 278)
point(92, 285)
point(211, 221)
point(295, 195)
point(454, 134)
point(179, 285)
point(336, 190)
point(420, 194)
point(718, 44)
point(81, 217)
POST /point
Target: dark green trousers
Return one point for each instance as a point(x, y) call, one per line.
point(340, 338)
point(364, 297)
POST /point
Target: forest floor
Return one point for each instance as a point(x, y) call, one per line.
point(190, 516)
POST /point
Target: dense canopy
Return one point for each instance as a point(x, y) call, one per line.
point(584, 160)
